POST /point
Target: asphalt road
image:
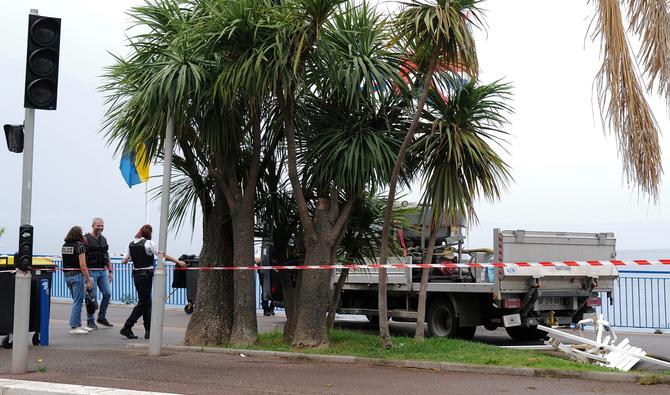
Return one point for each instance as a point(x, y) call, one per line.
point(207, 373)
point(176, 321)
point(101, 359)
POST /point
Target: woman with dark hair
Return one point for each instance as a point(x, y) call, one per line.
point(76, 276)
point(141, 252)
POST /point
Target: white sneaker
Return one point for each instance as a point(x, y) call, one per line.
point(87, 329)
point(78, 331)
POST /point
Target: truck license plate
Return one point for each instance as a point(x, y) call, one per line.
point(512, 320)
point(551, 303)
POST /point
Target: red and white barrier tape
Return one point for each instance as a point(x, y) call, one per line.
point(448, 265)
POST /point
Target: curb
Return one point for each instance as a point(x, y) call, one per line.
point(427, 365)
point(24, 387)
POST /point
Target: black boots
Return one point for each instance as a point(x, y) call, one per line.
point(127, 332)
point(147, 333)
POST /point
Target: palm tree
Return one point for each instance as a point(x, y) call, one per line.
point(345, 140)
point(438, 33)
point(623, 106)
point(460, 164)
point(173, 68)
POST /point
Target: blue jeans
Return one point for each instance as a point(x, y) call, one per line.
point(100, 280)
point(77, 288)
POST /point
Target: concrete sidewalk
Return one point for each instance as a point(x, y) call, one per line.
point(103, 359)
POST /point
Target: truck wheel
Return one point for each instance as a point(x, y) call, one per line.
point(466, 332)
point(6, 343)
point(523, 333)
point(441, 319)
point(374, 319)
point(188, 309)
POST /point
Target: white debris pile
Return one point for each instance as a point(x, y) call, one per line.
point(604, 350)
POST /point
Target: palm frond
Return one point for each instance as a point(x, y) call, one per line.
point(650, 20)
point(460, 162)
point(623, 106)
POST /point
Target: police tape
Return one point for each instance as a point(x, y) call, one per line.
point(445, 265)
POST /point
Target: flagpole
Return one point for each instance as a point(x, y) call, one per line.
point(146, 201)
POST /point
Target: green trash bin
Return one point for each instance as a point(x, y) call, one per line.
point(42, 268)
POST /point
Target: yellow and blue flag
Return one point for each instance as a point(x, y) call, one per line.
point(134, 166)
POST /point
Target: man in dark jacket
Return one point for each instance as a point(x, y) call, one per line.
point(100, 266)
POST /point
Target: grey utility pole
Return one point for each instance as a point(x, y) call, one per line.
point(158, 297)
point(22, 280)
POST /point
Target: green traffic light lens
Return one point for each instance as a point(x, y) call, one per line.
point(41, 92)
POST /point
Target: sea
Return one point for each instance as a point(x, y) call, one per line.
point(648, 254)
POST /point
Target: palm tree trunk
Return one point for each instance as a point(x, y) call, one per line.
point(245, 326)
point(335, 300)
point(310, 323)
point(290, 298)
point(212, 319)
point(384, 334)
point(423, 289)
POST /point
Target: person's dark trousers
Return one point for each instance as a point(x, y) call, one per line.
point(142, 280)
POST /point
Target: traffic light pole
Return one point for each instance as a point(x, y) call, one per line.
point(158, 298)
point(22, 279)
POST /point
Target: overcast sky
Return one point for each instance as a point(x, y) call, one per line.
point(566, 170)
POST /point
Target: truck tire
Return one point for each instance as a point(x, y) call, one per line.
point(466, 332)
point(441, 319)
point(374, 319)
point(525, 333)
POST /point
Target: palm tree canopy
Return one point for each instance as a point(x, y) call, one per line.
point(460, 162)
point(441, 28)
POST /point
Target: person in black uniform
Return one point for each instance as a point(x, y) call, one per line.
point(141, 252)
point(97, 259)
point(76, 276)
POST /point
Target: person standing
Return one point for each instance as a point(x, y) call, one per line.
point(97, 259)
point(76, 276)
point(141, 252)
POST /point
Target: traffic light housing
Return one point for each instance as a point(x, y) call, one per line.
point(24, 258)
point(14, 136)
point(41, 86)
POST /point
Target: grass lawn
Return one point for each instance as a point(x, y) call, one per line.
point(347, 342)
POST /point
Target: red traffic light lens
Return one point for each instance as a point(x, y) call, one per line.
point(45, 31)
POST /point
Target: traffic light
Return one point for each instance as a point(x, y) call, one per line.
point(42, 62)
point(24, 258)
point(14, 136)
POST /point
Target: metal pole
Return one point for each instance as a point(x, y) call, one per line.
point(44, 311)
point(22, 279)
point(146, 202)
point(158, 302)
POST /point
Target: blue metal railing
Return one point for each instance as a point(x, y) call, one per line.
point(123, 289)
point(640, 299)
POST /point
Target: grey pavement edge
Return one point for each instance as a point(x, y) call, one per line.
point(428, 365)
point(24, 387)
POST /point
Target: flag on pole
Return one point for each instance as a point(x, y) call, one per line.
point(134, 166)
